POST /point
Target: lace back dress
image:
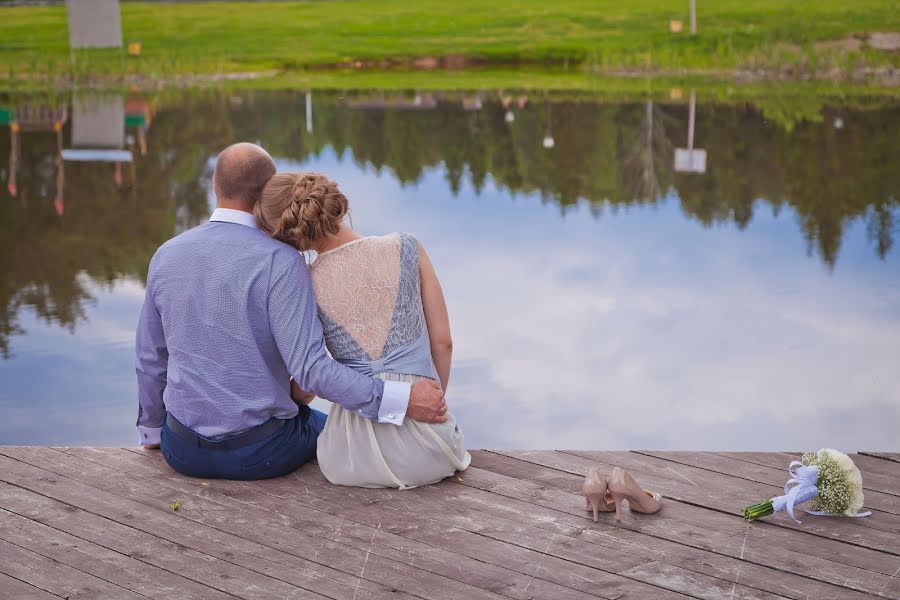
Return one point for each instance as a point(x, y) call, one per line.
point(370, 305)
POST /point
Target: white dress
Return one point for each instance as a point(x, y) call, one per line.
point(370, 305)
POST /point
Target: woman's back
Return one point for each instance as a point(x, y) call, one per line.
point(370, 306)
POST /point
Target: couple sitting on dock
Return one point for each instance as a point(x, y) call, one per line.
point(231, 342)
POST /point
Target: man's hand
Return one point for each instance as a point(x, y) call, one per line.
point(426, 403)
point(150, 446)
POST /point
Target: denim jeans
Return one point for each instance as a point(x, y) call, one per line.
point(279, 454)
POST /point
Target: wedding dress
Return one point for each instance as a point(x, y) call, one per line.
point(370, 306)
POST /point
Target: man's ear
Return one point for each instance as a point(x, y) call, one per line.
point(215, 190)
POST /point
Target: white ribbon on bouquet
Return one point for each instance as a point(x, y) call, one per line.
point(800, 488)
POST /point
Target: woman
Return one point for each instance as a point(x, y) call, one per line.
point(383, 313)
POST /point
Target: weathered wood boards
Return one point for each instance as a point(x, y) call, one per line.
point(97, 523)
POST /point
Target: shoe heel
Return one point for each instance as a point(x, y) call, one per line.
point(618, 499)
point(594, 503)
point(594, 490)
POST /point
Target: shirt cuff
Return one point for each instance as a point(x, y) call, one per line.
point(150, 435)
point(394, 401)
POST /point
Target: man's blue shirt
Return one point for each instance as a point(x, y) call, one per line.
point(229, 315)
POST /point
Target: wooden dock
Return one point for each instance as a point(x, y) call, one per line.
point(99, 523)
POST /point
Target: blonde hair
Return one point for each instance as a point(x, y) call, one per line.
point(301, 209)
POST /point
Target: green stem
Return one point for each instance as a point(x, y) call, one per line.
point(757, 511)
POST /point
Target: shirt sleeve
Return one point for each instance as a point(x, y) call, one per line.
point(394, 402)
point(151, 363)
point(298, 334)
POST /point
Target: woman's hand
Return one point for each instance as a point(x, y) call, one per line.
point(300, 396)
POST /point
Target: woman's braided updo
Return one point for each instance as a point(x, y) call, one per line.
point(301, 208)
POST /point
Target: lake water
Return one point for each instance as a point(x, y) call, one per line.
point(599, 297)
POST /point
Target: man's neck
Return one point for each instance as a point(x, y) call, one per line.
point(234, 205)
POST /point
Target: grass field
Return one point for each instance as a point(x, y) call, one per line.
point(598, 36)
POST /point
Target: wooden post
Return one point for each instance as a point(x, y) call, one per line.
point(693, 17)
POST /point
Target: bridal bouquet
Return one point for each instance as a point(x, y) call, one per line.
point(827, 479)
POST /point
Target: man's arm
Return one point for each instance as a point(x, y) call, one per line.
point(151, 363)
point(298, 334)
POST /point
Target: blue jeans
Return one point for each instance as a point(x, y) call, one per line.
point(279, 454)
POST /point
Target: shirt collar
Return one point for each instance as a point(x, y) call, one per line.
point(230, 215)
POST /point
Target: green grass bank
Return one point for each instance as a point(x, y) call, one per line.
point(764, 39)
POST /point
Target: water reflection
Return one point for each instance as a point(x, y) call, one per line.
point(733, 317)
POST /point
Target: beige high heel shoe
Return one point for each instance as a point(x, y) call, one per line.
point(596, 496)
point(621, 485)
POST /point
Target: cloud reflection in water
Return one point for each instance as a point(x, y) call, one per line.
point(638, 329)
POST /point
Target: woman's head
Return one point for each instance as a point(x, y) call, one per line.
point(301, 209)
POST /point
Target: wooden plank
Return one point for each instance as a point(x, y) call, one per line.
point(384, 499)
point(56, 578)
point(336, 565)
point(614, 537)
point(403, 536)
point(452, 506)
point(507, 528)
point(735, 493)
point(731, 494)
point(443, 504)
point(694, 565)
point(13, 589)
point(669, 575)
point(218, 575)
point(442, 523)
point(892, 456)
point(116, 568)
point(165, 540)
point(437, 502)
point(725, 494)
point(774, 476)
point(871, 464)
point(298, 507)
point(878, 481)
point(818, 558)
point(304, 551)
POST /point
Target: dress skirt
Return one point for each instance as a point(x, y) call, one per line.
point(356, 451)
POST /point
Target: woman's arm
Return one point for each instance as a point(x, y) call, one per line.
point(436, 318)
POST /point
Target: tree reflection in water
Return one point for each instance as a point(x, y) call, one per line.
point(831, 165)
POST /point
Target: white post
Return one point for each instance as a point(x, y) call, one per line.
point(693, 17)
point(549, 142)
point(308, 112)
point(693, 107)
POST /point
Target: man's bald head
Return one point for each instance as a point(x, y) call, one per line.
point(241, 172)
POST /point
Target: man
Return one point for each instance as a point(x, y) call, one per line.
point(229, 316)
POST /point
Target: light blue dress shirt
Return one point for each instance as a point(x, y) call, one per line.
point(229, 315)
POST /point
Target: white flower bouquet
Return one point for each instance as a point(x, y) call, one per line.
point(827, 479)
